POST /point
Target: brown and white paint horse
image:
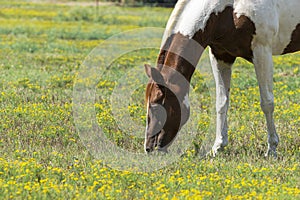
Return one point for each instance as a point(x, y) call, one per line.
point(252, 29)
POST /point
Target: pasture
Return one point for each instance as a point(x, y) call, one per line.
point(42, 157)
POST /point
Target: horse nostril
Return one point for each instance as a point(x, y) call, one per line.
point(148, 149)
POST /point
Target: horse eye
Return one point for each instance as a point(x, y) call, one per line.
point(158, 110)
point(155, 107)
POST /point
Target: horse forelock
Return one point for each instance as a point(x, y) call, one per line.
point(148, 92)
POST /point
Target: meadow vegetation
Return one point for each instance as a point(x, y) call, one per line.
point(42, 46)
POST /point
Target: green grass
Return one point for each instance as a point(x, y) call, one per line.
point(42, 157)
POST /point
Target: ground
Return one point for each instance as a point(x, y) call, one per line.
point(43, 46)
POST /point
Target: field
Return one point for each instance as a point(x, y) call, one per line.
point(42, 155)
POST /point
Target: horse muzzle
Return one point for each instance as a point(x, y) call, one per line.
point(155, 143)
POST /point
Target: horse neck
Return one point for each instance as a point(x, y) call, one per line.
point(189, 30)
point(177, 61)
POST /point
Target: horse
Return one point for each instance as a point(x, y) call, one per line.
point(251, 29)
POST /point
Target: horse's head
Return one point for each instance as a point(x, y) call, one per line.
point(167, 108)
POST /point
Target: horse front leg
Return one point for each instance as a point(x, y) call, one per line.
point(263, 63)
point(222, 75)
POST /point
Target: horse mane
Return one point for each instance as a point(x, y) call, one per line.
point(173, 19)
point(166, 41)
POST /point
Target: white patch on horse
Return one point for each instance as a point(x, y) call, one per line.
point(188, 17)
point(274, 21)
point(186, 101)
point(146, 124)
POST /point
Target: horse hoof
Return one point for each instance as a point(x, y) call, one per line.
point(215, 149)
point(271, 154)
point(211, 154)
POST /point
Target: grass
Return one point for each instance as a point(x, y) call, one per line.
point(42, 157)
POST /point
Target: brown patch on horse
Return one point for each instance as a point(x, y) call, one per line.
point(228, 36)
point(154, 93)
point(181, 54)
point(148, 91)
point(163, 52)
point(294, 44)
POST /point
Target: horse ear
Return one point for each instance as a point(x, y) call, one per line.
point(148, 70)
point(154, 74)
